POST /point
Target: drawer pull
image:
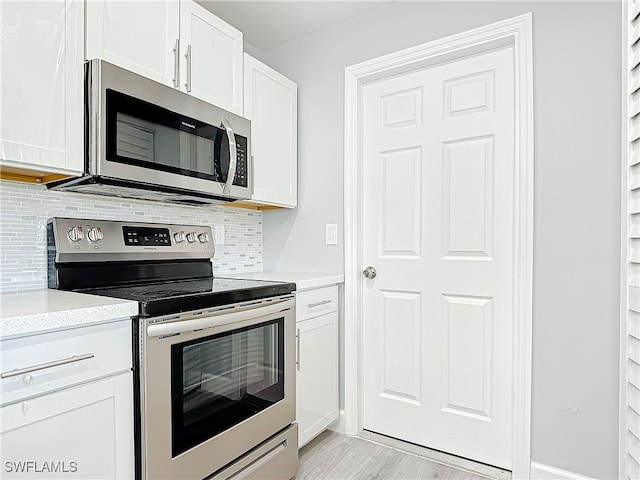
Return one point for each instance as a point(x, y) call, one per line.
point(317, 304)
point(21, 371)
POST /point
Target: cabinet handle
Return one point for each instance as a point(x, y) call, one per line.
point(298, 349)
point(317, 304)
point(233, 156)
point(176, 63)
point(21, 371)
point(188, 57)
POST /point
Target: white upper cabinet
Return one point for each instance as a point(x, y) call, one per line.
point(138, 36)
point(179, 44)
point(211, 58)
point(270, 102)
point(41, 86)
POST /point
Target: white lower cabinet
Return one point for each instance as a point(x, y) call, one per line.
point(84, 432)
point(67, 404)
point(317, 362)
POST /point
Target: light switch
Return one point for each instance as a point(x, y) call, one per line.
point(218, 235)
point(331, 234)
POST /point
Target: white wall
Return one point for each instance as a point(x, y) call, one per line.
point(577, 195)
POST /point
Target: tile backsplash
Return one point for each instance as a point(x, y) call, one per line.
point(25, 209)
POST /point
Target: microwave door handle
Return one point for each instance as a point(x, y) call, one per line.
point(233, 156)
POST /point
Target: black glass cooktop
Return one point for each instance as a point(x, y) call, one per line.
point(185, 295)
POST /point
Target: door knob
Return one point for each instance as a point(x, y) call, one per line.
point(370, 273)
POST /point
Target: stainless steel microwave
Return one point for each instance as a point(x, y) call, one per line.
point(147, 140)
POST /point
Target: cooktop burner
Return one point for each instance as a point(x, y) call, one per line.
point(185, 295)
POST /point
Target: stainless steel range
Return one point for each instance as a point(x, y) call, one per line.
point(215, 369)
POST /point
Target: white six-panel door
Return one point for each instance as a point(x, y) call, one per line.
point(438, 148)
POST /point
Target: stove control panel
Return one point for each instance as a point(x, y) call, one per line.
point(145, 236)
point(75, 239)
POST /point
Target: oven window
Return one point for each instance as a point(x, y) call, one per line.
point(221, 380)
point(146, 135)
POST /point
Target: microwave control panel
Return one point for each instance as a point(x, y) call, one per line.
point(241, 167)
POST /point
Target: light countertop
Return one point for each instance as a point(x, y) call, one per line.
point(303, 280)
point(39, 311)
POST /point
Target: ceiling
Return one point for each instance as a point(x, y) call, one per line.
point(267, 24)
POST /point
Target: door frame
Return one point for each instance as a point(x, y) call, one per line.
point(518, 33)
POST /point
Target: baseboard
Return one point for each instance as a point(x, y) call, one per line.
point(540, 471)
point(338, 425)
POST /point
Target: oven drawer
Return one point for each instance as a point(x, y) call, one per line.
point(315, 302)
point(38, 364)
point(275, 459)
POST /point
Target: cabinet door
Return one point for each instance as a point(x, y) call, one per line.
point(41, 85)
point(211, 58)
point(317, 375)
point(138, 36)
point(83, 432)
point(271, 102)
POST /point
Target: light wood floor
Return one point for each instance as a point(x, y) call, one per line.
point(332, 456)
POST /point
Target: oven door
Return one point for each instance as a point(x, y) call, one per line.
point(215, 385)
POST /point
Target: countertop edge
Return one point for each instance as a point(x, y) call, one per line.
point(55, 318)
point(319, 282)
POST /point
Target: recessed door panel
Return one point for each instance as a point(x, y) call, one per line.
point(400, 376)
point(467, 223)
point(469, 94)
point(400, 173)
point(402, 109)
point(466, 377)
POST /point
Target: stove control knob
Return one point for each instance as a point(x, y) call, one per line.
point(191, 237)
point(75, 234)
point(203, 237)
point(95, 234)
point(179, 236)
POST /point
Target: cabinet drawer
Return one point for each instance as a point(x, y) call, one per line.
point(56, 360)
point(318, 301)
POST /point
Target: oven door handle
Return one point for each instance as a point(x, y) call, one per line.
point(182, 326)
